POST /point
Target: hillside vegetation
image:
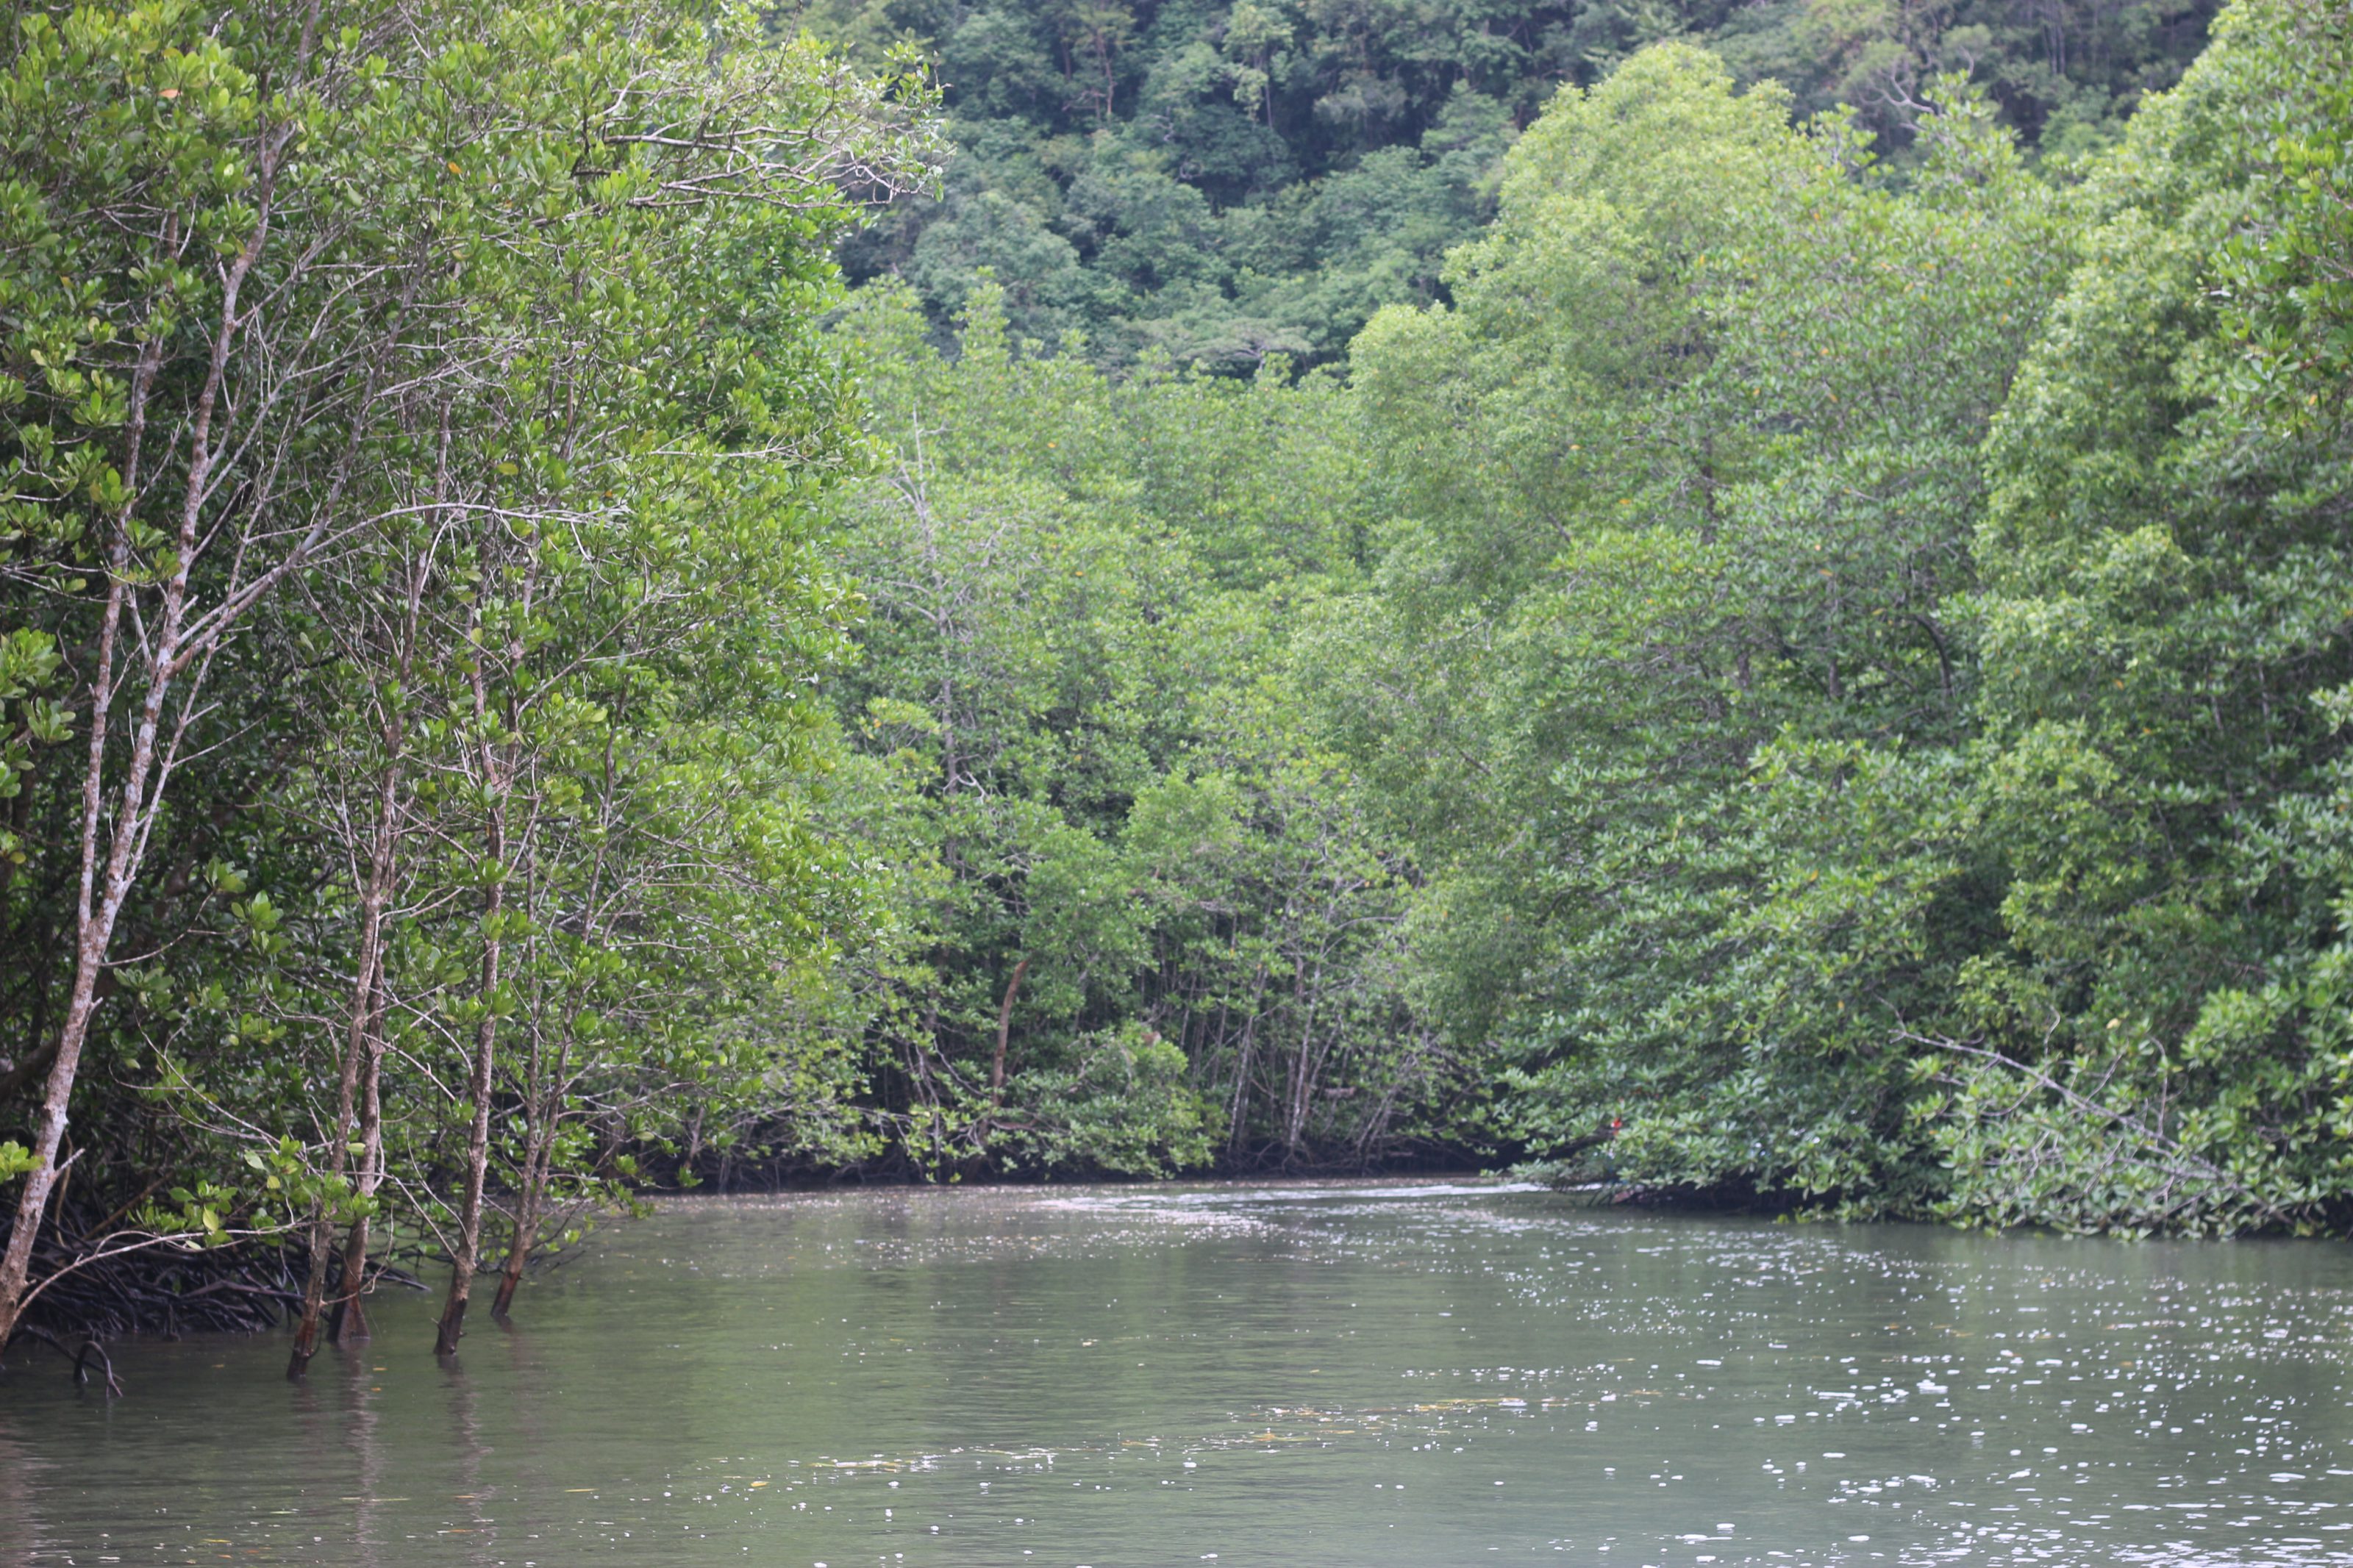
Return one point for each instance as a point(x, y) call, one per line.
point(1227, 181)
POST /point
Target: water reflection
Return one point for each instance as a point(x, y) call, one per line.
point(360, 1439)
point(1383, 1374)
point(20, 1527)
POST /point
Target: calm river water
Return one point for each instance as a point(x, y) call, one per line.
point(1347, 1375)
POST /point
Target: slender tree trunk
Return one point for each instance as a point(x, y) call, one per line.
point(364, 1057)
point(535, 1103)
point(94, 930)
point(375, 892)
point(1245, 1062)
point(478, 1137)
point(100, 902)
point(517, 1251)
point(1302, 1071)
point(1004, 1034)
point(545, 1097)
point(360, 1060)
point(315, 1289)
point(527, 1216)
point(546, 1094)
point(350, 1321)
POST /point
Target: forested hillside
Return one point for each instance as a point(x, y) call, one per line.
point(1225, 180)
point(1805, 658)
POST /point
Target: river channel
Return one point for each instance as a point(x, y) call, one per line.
point(1409, 1375)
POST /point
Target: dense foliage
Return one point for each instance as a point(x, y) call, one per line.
point(1827, 673)
point(1864, 671)
point(1226, 179)
point(1686, 483)
point(1121, 854)
point(1809, 657)
point(414, 421)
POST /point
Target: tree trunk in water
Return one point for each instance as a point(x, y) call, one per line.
point(356, 1052)
point(526, 1231)
point(314, 1293)
point(101, 901)
point(350, 1321)
point(478, 1159)
point(364, 1052)
point(349, 1318)
point(32, 1204)
point(347, 1322)
point(478, 1138)
point(546, 1094)
point(322, 1227)
point(539, 1152)
point(498, 783)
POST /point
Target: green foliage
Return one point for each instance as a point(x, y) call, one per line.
point(1227, 179)
point(2165, 654)
point(490, 520)
point(1683, 482)
point(1122, 1103)
point(1863, 663)
point(1086, 748)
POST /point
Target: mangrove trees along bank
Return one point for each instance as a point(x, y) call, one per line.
point(1117, 841)
point(1862, 669)
point(1823, 675)
point(414, 421)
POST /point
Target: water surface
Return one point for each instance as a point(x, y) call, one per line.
point(1343, 1374)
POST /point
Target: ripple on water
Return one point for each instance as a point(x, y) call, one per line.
point(1361, 1374)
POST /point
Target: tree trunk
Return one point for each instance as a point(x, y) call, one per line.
point(477, 1140)
point(1244, 1062)
point(546, 1094)
point(539, 1153)
point(526, 1227)
point(322, 1244)
point(101, 901)
point(350, 1321)
point(1302, 1072)
point(478, 1137)
point(363, 1056)
point(358, 1058)
point(1004, 1034)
